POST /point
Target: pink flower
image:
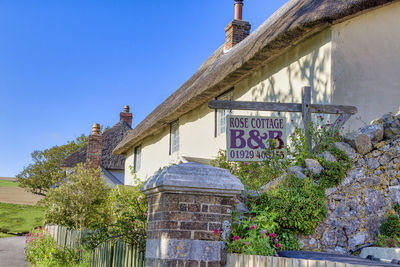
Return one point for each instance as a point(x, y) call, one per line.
point(236, 238)
point(278, 245)
point(217, 232)
point(272, 235)
point(145, 214)
point(264, 231)
point(276, 240)
point(246, 243)
point(254, 226)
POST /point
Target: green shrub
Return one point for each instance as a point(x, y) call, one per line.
point(334, 172)
point(80, 201)
point(299, 204)
point(41, 250)
point(129, 219)
point(396, 207)
point(388, 242)
point(391, 226)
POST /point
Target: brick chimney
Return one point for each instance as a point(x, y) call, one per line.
point(126, 116)
point(238, 29)
point(94, 147)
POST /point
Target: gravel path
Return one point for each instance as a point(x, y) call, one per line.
point(12, 252)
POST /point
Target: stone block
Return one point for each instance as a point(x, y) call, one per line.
point(313, 166)
point(359, 141)
point(350, 152)
point(374, 132)
point(194, 178)
point(272, 184)
point(328, 156)
point(382, 253)
point(298, 171)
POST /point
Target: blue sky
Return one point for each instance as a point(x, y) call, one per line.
point(65, 65)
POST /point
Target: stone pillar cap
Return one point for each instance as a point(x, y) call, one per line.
point(193, 178)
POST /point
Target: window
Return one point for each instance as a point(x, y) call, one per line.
point(220, 114)
point(137, 160)
point(174, 137)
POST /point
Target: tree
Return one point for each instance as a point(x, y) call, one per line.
point(45, 170)
point(81, 200)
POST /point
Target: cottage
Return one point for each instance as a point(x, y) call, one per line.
point(99, 150)
point(347, 51)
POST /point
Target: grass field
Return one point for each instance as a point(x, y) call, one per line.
point(15, 218)
point(6, 183)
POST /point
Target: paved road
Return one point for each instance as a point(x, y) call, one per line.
point(12, 252)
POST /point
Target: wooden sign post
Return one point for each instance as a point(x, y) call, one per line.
point(305, 107)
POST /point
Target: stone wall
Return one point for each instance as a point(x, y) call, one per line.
point(358, 206)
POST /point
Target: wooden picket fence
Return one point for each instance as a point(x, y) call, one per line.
point(239, 260)
point(108, 254)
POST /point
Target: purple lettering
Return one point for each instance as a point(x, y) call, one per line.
point(256, 137)
point(277, 135)
point(235, 135)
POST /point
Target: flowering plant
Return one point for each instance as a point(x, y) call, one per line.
point(256, 242)
point(42, 250)
point(254, 235)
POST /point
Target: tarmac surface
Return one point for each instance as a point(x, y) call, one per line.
point(12, 252)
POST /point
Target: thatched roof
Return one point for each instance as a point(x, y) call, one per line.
point(296, 21)
point(109, 161)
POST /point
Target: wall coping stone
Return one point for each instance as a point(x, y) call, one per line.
point(194, 178)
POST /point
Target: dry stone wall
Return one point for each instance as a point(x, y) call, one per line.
point(358, 206)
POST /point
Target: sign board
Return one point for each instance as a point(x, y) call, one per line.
point(248, 137)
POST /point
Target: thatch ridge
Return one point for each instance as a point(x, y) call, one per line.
point(296, 21)
point(111, 138)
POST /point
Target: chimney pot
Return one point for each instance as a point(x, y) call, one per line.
point(96, 128)
point(238, 9)
point(126, 116)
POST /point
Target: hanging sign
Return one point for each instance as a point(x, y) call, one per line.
point(249, 138)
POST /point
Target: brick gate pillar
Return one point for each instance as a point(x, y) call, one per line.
point(187, 202)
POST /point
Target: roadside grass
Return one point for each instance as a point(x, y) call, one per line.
point(6, 183)
point(16, 218)
point(5, 235)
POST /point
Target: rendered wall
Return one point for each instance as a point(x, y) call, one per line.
point(366, 63)
point(307, 64)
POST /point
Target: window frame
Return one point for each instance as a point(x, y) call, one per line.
point(175, 148)
point(137, 158)
point(228, 94)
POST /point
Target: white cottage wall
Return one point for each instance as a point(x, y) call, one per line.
point(366, 63)
point(307, 64)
